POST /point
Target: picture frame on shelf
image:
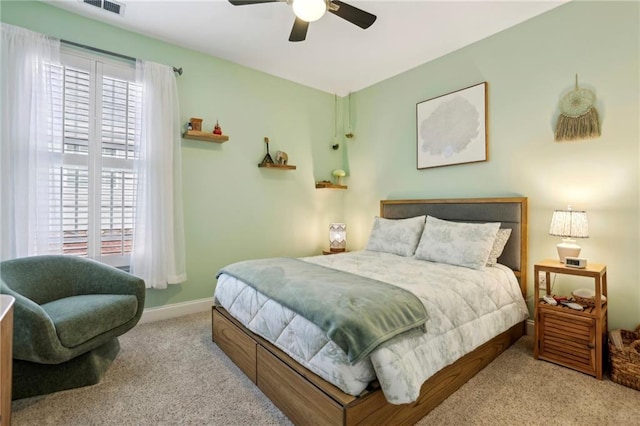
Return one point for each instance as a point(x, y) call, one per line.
point(452, 128)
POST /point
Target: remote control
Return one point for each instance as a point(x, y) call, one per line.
point(573, 305)
point(550, 300)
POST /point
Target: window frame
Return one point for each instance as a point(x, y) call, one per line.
point(94, 160)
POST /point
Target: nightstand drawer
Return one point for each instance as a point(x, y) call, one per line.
point(567, 339)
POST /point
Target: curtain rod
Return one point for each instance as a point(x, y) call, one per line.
point(95, 49)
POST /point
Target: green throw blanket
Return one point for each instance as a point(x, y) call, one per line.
point(355, 312)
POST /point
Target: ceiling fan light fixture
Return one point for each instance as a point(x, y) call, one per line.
point(309, 10)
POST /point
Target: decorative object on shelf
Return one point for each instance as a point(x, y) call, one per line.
point(337, 237)
point(578, 117)
point(196, 124)
point(587, 297)
point(338, 174)
point(569, 224)
point(189, 126)
point(267, 158)
point(217, 130)
point(281, 158)
point(439, 143)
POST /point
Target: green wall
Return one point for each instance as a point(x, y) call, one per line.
point(528, 68)
point(234, 210)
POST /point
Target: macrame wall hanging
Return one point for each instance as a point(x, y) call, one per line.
point(578, 116)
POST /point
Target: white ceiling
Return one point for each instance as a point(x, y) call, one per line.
point(337, 56)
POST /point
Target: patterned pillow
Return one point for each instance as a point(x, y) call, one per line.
point(396, 236)
point(457, 243)
point(498, 245)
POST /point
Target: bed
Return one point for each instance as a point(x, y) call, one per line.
point(315, 382)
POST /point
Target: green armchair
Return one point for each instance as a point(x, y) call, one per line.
point(68, 314)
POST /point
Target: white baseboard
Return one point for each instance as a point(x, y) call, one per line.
point(176, 310)
point(531, 325)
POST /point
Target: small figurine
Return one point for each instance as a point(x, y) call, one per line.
point(267, 158)
point(189, 126)
point(217, 130)
point(196, 124)
point(282, 158)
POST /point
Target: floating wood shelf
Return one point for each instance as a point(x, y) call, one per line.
point(277, 166)
point(325, 185)
point(204, 136)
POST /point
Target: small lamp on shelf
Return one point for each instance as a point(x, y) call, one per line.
point(337, 237)
point(569, 224)
point(338, 174)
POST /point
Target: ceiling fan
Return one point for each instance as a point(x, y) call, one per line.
point(311, 10)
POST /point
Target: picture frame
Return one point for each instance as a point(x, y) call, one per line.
point(452, 128)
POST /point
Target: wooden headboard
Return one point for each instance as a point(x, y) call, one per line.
point(511, 212)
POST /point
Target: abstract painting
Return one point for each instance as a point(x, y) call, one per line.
point(452, 128)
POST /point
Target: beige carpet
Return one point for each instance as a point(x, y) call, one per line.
point(170, 373)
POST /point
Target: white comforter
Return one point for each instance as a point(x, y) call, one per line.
point(466, 308)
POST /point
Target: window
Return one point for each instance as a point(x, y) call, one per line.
point(92, 185)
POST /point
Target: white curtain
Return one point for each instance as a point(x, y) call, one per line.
point(28, 126)
point(158, 244)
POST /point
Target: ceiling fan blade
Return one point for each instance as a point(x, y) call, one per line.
point(299, 30)
point(352, 14)
point(246, 2)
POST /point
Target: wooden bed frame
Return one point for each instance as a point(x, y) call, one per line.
point(307, 399)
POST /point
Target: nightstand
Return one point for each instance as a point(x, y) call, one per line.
point(574, 339)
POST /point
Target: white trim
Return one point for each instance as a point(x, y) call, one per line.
point(176, 310)
point(531, 326)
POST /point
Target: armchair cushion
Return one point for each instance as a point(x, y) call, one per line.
point(78, 319)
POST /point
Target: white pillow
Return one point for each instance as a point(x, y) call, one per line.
point(396, 236)
point(457, 243)
point(498, 245)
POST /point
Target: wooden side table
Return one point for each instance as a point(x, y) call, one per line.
point(6, 357)
point(574, 339)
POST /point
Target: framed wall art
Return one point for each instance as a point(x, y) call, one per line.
point(452, 128)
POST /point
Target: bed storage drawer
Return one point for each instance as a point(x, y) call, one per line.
point(300, 400)
point(236, 344)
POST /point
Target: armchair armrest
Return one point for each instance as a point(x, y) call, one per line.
point(34, 335)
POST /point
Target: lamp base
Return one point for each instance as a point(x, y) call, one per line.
point(336, 250)
point(568, 247)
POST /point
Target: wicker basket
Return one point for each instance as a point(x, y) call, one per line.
point(588, 301)
point(624, 354)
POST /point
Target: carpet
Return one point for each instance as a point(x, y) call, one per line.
point(171, 373)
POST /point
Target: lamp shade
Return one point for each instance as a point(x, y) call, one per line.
point(309, 10)
point(337, 237)
point(569, 224)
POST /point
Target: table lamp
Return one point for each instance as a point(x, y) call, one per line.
point(569, 224)
point(337, 237)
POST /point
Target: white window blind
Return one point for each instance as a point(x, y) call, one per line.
point(93, 185)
